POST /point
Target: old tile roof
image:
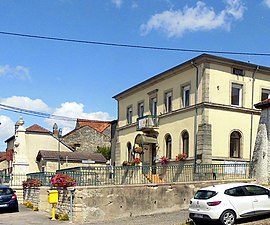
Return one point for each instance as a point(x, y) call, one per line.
point(71, 156)
point(37, 128)
point(264, 104)
point(100, 126)
point(2, 156)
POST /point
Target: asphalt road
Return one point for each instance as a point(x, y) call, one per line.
point(27, 216)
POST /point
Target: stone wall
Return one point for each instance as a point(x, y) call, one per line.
point(93, 204)
point(88, 139)
point(204, 153)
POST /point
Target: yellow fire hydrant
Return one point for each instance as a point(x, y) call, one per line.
point(53, 199)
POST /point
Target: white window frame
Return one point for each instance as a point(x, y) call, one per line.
point(168, 101)
point(140, 109)
point(240, 94)
point(129, 114)
point(185, 97)
point(265, 91)
point(153, 106)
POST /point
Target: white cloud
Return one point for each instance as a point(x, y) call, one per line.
point(6, 128)
point(75, 110)
point(18, 72)
point(235, 8)
point(26, 103)
point(71, 110)
point(267, 3)
point(118, 3)
point(174, 23)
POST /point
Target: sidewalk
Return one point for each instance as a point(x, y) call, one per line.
point(27, 216)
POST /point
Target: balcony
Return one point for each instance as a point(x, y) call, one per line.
point(147, 123)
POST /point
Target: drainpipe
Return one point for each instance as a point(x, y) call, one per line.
point(196, 115)
point(252, 113)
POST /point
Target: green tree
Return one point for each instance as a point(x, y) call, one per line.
point(105, 151)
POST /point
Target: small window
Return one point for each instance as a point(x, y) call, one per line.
point(186, 95)
point(204, 194)
point(236, 95)
point(129, 115)
point(238, 72)
point(140, 109)
point(168, 101)
point(153, 106)
point(265, 94)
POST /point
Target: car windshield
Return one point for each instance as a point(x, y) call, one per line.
point(204, 194)
point(5, 191)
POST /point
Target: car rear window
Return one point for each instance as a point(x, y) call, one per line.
point(204, 194)
point(5, 191)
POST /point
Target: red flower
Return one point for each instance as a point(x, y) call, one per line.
point(62, 180)
point(164, 160)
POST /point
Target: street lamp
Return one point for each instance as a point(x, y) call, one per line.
point(57, 133)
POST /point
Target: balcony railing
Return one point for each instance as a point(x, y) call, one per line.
point(147, 122)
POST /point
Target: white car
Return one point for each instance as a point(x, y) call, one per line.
point(228, 202)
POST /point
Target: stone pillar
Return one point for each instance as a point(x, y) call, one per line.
point(20, 159)
point(261, 154)
point(204, 143)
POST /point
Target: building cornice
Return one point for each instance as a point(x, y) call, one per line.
point(204, 58)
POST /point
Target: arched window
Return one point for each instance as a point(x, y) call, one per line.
point(168, 141)
point(185, 142)
point(235, 143)
point(129, 151)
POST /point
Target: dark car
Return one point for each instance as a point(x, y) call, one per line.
point(8, 199)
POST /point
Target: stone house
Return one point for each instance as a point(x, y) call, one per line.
point(202, 108)
point(89, 135)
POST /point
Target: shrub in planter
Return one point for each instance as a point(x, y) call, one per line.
point(31, 183)
point(62, 180)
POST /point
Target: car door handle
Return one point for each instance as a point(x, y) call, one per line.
point(255, 200)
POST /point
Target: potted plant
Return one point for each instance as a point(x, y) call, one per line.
point(62, 180)
point(138, 150)
point(29, 182)
point(136, 161)
point(181, 156)
point(164, 160)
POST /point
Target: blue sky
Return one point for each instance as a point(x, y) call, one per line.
point(79, 80)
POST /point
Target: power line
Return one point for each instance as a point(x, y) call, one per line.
point(133, 46)
point(35, 113)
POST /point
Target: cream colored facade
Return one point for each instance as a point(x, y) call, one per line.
point(217, 124)
point(26, 146)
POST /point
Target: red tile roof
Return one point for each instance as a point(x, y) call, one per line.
point(2, 156)
point(264, 104)
point(100, 126)
point(37, 128)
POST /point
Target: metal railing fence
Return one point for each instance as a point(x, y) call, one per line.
point(44, 177)
point(128, 175)
point(12, 179)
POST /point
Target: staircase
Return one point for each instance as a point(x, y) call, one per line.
point(154, 178)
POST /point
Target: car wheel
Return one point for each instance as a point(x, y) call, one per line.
point(197, 222)
point(227, 217)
